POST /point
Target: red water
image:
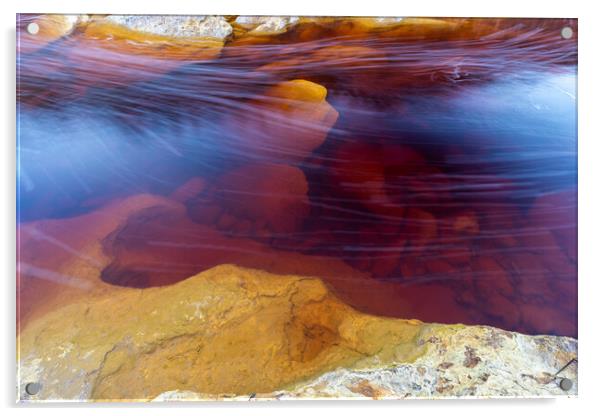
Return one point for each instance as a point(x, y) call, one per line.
point(445, 190)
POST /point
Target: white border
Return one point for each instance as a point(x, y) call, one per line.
point(590, 209)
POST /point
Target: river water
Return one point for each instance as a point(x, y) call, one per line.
point(442, 184)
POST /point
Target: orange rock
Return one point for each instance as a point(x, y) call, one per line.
point(119, 38)
point(285, 125)
point(228, 330)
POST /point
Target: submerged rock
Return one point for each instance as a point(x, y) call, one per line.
point(271, 195)
point(285, 125)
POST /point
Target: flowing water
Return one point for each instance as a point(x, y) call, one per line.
point(445, 190)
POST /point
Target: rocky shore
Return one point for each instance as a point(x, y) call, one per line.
point(231, 333)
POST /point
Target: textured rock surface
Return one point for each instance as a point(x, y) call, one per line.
point(231, 332)
point(266, 24)
point(225, 331)
point(162, 41)
point(459, 362)
point(176, 26)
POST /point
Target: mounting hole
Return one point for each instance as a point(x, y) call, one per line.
point(566, 32)
point(33, 28)
point(566, 384)
point(33, 388)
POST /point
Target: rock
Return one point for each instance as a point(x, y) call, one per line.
point(230, 332)
point(106, 35)
point(175, 26)
point(105, 53)
point(285, 125)
point(275, 195)
point(266, 24)
point(225, 331)
point(156, 243)
point(460, 361)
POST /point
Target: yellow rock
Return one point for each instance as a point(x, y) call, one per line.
point(228, 330)
point(286, 124)
point(299, 90)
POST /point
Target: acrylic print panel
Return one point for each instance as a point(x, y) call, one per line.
point(246, 208)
